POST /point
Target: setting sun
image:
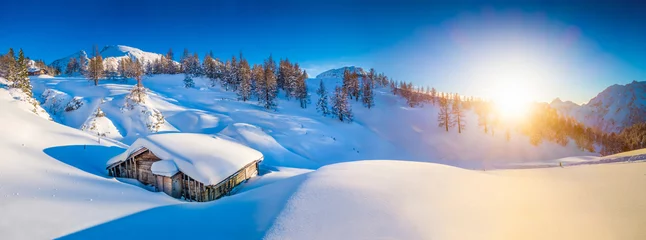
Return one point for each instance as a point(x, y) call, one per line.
point(511, 101)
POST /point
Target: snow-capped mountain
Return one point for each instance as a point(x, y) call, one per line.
point(111, 54)
point(62, 62)
point(338, 72)
point(114, 53)
point(566, 108)
point(615, 108)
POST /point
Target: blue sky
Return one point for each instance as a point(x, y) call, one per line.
point(567, 49)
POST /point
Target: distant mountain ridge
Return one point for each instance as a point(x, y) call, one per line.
point(338, 72)
point(612, 110)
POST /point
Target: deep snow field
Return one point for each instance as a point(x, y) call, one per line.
point(314, 185)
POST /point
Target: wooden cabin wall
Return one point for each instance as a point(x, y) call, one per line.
point(181, 185)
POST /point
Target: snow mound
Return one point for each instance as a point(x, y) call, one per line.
point(100, 125)
point(338, 72)
point(275, 153)
point(25, 102)
point(204, 158)
point(407, 200)
point(144, 114)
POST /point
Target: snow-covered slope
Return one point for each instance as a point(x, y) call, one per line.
point(338, 72)
point(302, 138)
point(615, 108)
point(53, 182)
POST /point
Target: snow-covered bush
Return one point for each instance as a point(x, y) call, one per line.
point(136, 106)
point(98, 124)
point(188, 82)
point(74, 104)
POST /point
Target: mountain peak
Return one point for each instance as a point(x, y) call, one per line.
point(338, 72)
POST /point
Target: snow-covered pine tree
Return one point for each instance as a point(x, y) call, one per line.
point(321, 104)
point(245, 91)
point(95, 68)
point(444, 117)
point(301, 90)
point(22, 75)
point(188, 81)
point(340, 105)
point(367, 96)
point(458, 113)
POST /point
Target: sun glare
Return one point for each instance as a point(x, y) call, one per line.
point(512, 101)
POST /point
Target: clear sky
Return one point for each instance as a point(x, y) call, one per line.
point(568, 49)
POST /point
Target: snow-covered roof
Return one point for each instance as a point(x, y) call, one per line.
point(164, 168)
point(204, 158)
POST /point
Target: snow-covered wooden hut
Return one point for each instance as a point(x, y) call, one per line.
point(193, 166)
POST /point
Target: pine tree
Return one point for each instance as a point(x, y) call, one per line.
point(258, 78)
point(283, 74)
point(482, 110)
point(196, 67)
point(268, 86)
point(209, 67)
point(234, 78)
point(367, 96)
point(21, 80)
point(167, 63)
point(138, 92)
point(95, 69)
point(72, 66)
point(83, 63)
point(301, 90)
point(10, 65)
point(244, 91)
point(184, 60)
point(433, 96)
point(340, 105)
point(188, 81)
point(321, 104)
point(444, 117)
point(458, 113)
